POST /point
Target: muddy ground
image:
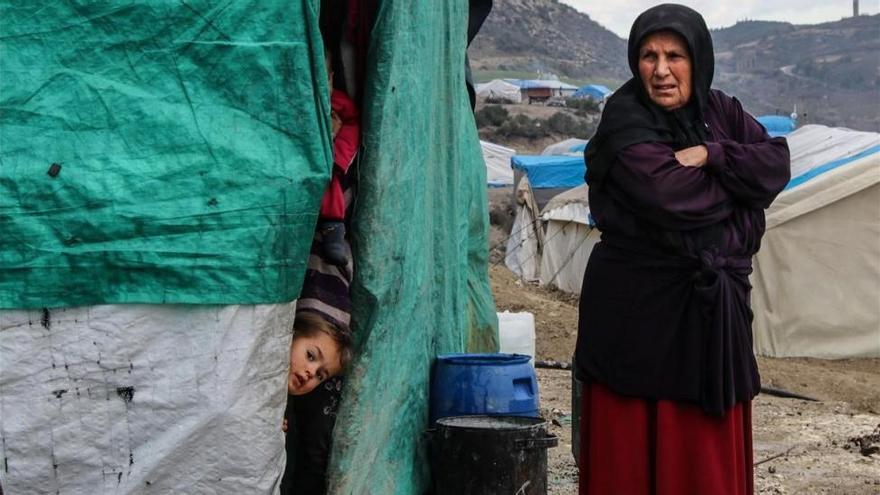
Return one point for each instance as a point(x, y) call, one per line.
point(828, 446)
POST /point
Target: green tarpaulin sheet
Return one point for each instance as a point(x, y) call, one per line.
point(193, 146)
point(194, 149)
point(421, 245)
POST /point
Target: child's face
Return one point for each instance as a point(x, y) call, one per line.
point(313, 359)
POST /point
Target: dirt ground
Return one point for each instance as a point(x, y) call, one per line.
point(801, 447)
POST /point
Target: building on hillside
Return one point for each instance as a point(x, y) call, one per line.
point(541, 90)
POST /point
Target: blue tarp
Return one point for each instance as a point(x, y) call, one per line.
point(540, 83)
point(546, 171)
point(594, 91)
point(777, 125)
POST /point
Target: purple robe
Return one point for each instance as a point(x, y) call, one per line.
point(664, 310)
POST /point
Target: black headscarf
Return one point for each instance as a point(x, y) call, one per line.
point(631, 117)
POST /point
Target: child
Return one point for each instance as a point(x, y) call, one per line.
point(346, 140)
point(319, 350)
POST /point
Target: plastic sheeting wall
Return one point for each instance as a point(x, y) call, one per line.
point(140, 399)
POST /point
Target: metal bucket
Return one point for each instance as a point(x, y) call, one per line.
point(488, 455)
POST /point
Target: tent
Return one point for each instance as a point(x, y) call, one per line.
point(543, 88)
point(777, 125)
point(817, 276)
point(560, 87)
point(537, 178)
point(162, 165)
point(596, 92)
point(500, 89)
point(497, 158)
point(571, 146)
point(548, 174)
point(569, 237)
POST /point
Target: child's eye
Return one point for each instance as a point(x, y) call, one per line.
point(310, 355)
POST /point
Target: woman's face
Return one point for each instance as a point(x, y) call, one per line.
point(666, 69)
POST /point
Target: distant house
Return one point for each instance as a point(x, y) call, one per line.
point(540, 90)
point(500, 90)
point(596, 92)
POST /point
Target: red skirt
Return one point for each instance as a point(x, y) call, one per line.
point(640, 447)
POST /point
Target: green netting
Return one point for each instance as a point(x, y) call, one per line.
point(193, 139)
point(421, 245)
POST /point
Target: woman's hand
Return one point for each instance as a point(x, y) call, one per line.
point(695, 156)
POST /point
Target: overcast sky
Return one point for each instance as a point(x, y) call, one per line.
point(619, 15)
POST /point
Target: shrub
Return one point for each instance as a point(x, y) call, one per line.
point(582, 106)
point(523, 126)
point(499, 100)
point(491, 115)
point(565, 124)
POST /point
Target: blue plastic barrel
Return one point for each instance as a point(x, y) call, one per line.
point(483, 384)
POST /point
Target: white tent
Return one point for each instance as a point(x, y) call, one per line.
point(571, 146)
point(817, 275)
point(499, 88)
point(497, 158)
point(568, 240)
point(541, 178)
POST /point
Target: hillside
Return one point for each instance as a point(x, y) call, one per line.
point(831, 71)
point(545, 35)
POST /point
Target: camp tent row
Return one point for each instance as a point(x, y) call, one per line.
point(162, 166)
point(817, 276)
point(515, 90)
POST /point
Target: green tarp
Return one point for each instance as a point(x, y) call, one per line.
point(193, 153)
point(193, 143)
point(420, 243)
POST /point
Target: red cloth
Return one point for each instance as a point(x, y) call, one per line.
point(641, 447)
point(345, 147)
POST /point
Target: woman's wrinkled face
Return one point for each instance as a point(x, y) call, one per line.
point(313, 359)
point(666, 69)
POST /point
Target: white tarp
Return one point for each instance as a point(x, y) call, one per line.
point(131, 399)
point(499, 88)
point(817, 275)
point(497, 158)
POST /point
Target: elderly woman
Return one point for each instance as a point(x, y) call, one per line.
point(679, 176)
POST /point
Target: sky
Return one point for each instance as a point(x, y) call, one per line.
point(619, 15)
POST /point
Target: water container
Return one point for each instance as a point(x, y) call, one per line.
point(516, 331)
point(488, 384)
point(491, 455)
